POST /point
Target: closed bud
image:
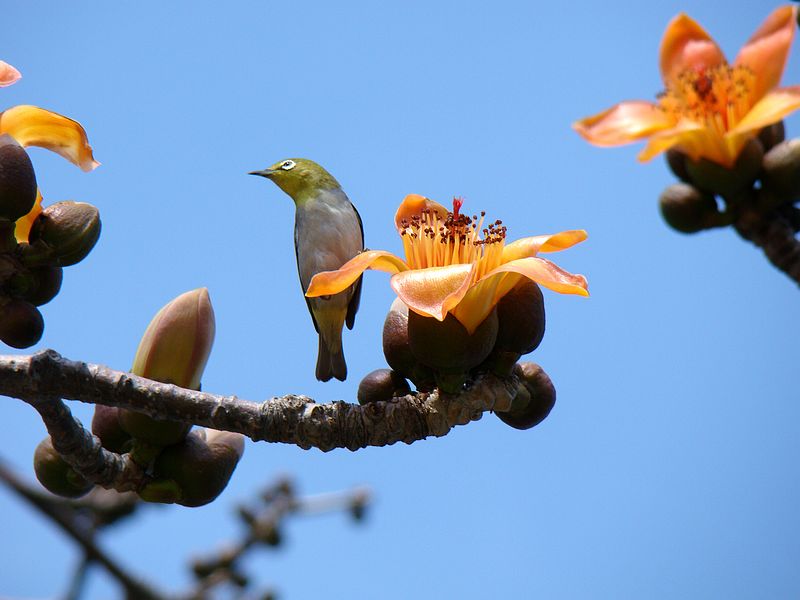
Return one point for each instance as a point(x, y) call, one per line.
point(199, 468)
point(772, 135)
point(69, 230)
point(21, 323)
point(521, 321)
point(380, 385)
point(676, 160)
point(174, 349)
point(106, 426)
point(535, 398)
point(447, 347)
point(782, 171)
point(687, 209)
point(397, 350)
point(17, 180)
point(45, 284)
point(55, 474)
point(728, 182)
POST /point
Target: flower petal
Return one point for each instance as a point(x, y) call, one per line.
point(544, 272)
point(22, 226)
point(765, 53)
point(686, 45)
point(770, 109)
point(8, 74)
point(433, 292)
point(413, 205)
point(333, 282)
point(693, 139)
point(623, 123)
point(531, 246)
point(480, 299)
point(33, 126)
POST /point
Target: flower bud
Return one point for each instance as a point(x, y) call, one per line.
point(397, 350)
point(68, 229)
point(521, 319)
point(106, 426)
point(447, 347)
point(535, 398)
point(382, 384)
point(782, 171)
point(45, 284)
point(55, 474)
point(772, 135)
point(17, 180)
point(21, 324)
point(174, 349)
point(200, 468)
point(687, 209)
point(711, 177)
point(676, 160)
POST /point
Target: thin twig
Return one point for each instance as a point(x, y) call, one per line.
point(67, 519)
point(775, 235)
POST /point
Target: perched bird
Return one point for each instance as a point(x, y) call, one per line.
point(327, 233)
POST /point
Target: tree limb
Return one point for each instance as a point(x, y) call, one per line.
point(45, 377)
point(775, 235)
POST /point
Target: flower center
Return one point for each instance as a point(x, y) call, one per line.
point(717, 97)
point(433, 240)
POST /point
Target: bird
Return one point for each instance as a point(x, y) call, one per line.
point(327, 233)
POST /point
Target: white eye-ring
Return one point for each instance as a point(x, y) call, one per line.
point(288, 165)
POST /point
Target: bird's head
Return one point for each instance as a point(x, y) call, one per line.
point(299, 177)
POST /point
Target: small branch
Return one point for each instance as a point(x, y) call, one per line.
point(264, 524)
point(84, 453)
point(70, 522)
point(78, 580)
point(775, 235)
point(292, 419)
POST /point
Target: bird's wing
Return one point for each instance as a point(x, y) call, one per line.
point(352, 307)
point(302, 287)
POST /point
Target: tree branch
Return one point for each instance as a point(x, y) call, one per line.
point(775, 235)
point(43, 378)
point(73, 525)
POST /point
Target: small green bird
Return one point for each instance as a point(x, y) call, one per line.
point(327, 233)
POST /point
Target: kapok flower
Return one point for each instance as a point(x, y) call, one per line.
point(456, 264)
point(709, 108)
point(33, 126)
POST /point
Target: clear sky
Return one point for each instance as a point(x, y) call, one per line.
point(665, 469)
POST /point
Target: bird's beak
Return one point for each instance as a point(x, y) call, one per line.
point(265, 173)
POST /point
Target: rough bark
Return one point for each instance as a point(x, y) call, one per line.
point(46, 377)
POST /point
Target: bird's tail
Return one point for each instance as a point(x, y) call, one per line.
point(330, 359)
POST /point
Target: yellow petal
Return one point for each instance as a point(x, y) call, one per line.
point(481, 298)
point(692, 138)
point(770, 109)
point(765, 53)
point(413, 205)
point(623, 123)
point(544, 272)
point(32, 126)
point(333, 282)
point(8, 74)
point(531, 246)
point(685, 46)
point(433, 292)
point(22, 226)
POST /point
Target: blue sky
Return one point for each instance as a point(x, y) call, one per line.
point(665, 469)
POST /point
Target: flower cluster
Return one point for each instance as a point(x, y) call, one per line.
point(36, 243)
point(467, 303)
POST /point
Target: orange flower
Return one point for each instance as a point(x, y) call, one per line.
point(709, 109)
point(33, 126)
point(450, 268)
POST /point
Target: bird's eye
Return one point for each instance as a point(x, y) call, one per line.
point(287, 165)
